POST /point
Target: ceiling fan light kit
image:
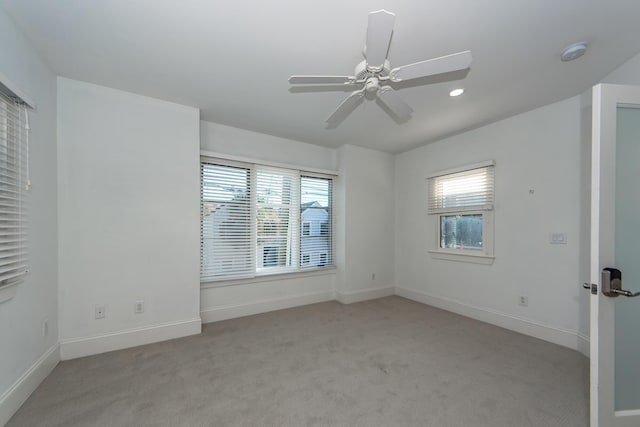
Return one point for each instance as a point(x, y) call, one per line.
point(375, 73)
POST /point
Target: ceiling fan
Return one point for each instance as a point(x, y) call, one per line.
point(375, 72)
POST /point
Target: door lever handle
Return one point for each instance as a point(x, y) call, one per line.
point(625, 293)
point(612, 284)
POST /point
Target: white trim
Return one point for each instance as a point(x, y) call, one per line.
point(80, 347)
point(233, 158)
point(15, 90)
point(628, 413)
point(463, 168)
point(349, 297)
point(8, 291)
point(584, 345)
point(13, 398)
point(463, 257)
point(269, 278)
point(240, 310)
point(558, 336)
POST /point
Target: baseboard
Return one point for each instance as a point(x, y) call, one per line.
point(13, 398)
point(562, 337)
point(74, 348)
point(240, 310)
point(349, 297)
point(584, 345)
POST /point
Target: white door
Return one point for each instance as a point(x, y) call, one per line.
point(615, 243)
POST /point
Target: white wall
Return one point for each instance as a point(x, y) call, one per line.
point(366, 231)
point(626, 74)
point(129, 206)
point(540, 151)
point(255, 296)
point(21, 332)
point(259, 146)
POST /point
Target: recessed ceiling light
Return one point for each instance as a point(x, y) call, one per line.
point(456, 92)
point(573, 51)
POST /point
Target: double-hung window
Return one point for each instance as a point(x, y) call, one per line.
point(14, 183)
point(461, 202)
point(258, 220)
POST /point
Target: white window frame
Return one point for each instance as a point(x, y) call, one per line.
point(297, 269)
point(471, 255)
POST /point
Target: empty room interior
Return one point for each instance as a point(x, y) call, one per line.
point(244, 213)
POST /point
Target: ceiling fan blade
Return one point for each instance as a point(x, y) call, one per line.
point(378, 38)
point(316, 80)
point(392, 100)
point(430, 67)
point(346, 107)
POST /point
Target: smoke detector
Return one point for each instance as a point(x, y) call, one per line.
point(573, 51)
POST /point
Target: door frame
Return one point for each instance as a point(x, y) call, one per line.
point(606, 99)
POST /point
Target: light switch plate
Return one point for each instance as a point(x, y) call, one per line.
point(558, 238)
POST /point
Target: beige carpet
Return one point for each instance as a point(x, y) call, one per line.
point(387, 362)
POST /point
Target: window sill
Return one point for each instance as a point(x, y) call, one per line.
point(8, 291)
point(463, 257)
point(269, 278)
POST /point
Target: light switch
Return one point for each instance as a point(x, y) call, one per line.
point(558, 238)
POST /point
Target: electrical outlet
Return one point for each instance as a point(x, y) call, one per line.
point(523, 301)
point(139, 307)
point(373, 276)
point(45, 328)
point(100, 311)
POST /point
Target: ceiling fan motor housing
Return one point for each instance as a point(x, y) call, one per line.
point(363, 73)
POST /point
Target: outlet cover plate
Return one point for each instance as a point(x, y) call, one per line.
point(100, 312)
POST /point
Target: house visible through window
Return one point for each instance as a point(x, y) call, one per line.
point(14, 185)
point(462, 203)
point(259, 220)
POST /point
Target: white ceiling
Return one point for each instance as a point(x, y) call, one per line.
point(232, 58)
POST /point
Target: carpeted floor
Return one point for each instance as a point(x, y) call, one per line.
point(386, 362)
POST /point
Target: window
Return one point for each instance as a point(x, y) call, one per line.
point(462, 202)
point(258, 220)
point(225, 225)
point(14, 184)
point(324, 229)
point(276, 211)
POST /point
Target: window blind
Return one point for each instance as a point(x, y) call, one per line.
point(14, 184)
point(277, 198)
point(467, 190)
point(226, 225)
point(316, 215)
